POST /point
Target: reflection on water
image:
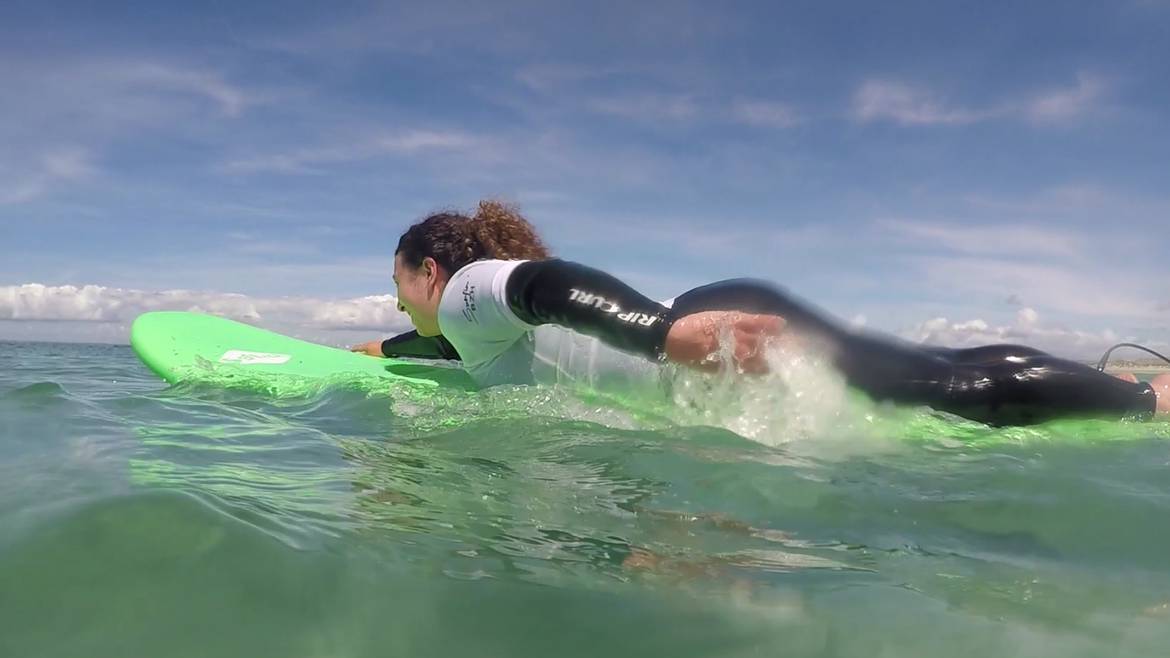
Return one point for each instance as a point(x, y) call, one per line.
point(350, 522)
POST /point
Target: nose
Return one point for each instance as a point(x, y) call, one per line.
point(401, 308)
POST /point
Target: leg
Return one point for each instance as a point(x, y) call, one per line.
point(1034, 389)
point(986, 353)
point(995, 384)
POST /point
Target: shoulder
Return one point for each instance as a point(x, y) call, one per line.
point(482, 274)
point(479, 288)
point(474, 313)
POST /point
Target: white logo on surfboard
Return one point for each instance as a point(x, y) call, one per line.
point(246, 358)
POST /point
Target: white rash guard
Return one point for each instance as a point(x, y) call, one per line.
point(497, 347)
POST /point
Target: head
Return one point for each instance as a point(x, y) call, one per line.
point(432, 250)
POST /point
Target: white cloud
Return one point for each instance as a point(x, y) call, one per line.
point(104, 313)
point(1026, 329)
point(982, 238)
point(764, 114)
point(1064, 104)
point(369, 147)
point(1059, 200)
point(1058, 269)
point(42, 173)
point(1083, 200)
point(647, 106)
point(561, 90)
point(889, 100)
point(567, 88)
point(62, 113)
point(155, 77)
point(878, 100)
point(549, 78)
point(1095, 291)
point(419, 28)
point(90, 303)
point(123, 94)
point(698, 236)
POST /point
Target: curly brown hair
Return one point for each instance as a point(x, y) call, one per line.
point(497, 230)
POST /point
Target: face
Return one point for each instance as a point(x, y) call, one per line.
point(419, 292)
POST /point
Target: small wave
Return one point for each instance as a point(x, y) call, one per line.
point(38, 392)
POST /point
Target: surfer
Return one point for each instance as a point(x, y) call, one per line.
point(485, 290)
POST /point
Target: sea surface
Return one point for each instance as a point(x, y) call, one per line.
point(143, 520)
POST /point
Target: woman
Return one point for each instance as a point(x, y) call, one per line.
point(484, 289)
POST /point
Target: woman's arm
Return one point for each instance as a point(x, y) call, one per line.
point(592, 302)
point(410, 344)
point(694, 340)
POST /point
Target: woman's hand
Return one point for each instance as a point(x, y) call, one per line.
point(372, 348)
point(693, 340)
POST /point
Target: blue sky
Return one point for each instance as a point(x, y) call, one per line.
point(954, 172)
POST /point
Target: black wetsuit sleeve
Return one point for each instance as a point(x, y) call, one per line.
point(588, 301)
point(419, 347)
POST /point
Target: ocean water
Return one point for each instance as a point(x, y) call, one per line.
point(138, 519)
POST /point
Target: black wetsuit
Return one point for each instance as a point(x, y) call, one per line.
point(994, 384)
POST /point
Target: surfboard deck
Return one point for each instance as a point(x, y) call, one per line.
point(195, 347)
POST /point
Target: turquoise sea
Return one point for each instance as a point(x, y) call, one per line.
point(138, 519)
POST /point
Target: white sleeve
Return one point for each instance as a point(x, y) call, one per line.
point(474, 314)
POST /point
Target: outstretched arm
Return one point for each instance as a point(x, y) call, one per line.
point(592, 302)
point(410, 344)
point(694, 340)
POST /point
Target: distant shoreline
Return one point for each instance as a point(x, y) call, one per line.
point(1137, 368)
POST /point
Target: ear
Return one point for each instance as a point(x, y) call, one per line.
point(432, 273)
point(430, 269)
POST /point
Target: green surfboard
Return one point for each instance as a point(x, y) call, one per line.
point(193, 347)
point(203, 349)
